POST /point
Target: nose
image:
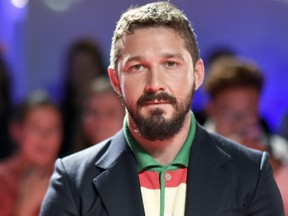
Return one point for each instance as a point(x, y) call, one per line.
point(154, 81)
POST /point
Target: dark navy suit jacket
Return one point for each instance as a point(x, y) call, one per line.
point(224, 179)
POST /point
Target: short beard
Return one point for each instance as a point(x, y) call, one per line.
point(154, 126)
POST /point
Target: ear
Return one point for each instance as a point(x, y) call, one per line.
point(199, 73)
point(114, 79)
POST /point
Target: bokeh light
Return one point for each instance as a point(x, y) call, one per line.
point(19, 3)
point(60, 5)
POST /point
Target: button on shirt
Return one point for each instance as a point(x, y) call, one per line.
point(163, 188)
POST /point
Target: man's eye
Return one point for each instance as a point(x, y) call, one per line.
point(137, 67)
point(170, 63)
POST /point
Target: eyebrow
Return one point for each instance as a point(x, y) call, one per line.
point(133, 58)
point(165, 55)
point(170, 55)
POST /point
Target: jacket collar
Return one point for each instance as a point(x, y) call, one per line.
point(118, 185)
point(113, 151)
point(207, 181)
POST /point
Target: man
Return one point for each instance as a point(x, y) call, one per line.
point(235, 87)
point(102, 114)
point(162, 162)
point(24, 176)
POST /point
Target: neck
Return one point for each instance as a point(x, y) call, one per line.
point(163, 151)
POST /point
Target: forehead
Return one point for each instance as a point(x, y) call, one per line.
point(151, 40)
point(238, 97)
point(42, 112)
point(146, 33)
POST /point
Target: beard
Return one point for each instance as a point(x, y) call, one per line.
point(154, 126)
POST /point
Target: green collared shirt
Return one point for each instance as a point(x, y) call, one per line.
point(145, 161)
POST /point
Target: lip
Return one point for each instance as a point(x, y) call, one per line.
point(156, 102)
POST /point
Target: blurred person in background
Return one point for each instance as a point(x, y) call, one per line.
point(235, 90)
point(223, 55)
point(24, 177)
point(217, 56)
point(101, 116)
point(5, 108)
point(84, 63)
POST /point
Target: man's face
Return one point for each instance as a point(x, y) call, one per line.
point(39, 136)
point(235, 113)
point(103, 116)
point(156, 81)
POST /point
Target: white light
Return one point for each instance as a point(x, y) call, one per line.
point(19, 3)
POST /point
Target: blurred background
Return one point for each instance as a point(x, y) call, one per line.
point(35, 36)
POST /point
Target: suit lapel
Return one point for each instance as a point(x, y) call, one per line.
point(118, 185)
point(207, 182)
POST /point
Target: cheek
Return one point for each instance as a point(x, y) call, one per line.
point(89, 126)
point(115, 125)
point(131, 89)
point(182, 86)
point(28, 147)
point(55, 139)
point(29, 140)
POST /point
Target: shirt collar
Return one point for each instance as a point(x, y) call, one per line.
point(145, 161)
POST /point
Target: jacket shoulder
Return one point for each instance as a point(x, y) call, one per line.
point(237, 151)
point(86, 156)
point(250, 178)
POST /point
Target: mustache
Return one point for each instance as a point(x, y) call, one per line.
point(162, 96)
